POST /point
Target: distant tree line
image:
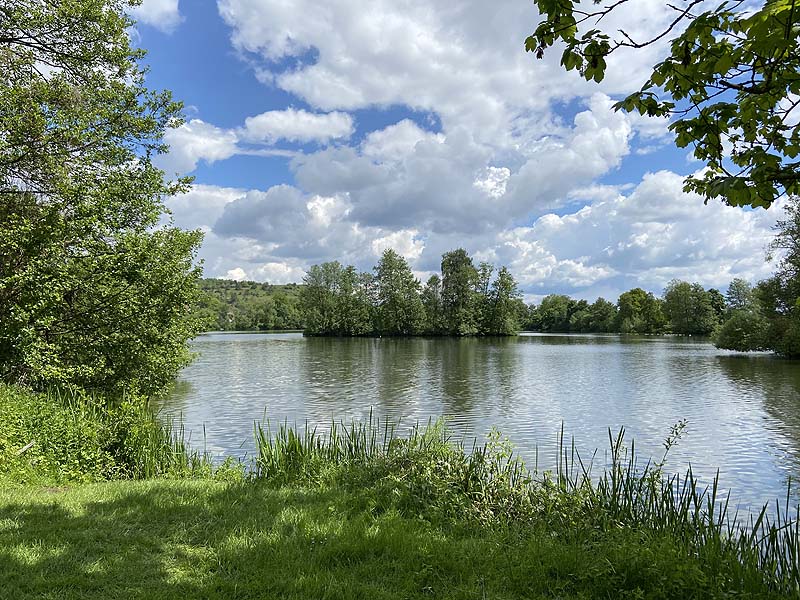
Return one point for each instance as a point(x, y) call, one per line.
point(686, 309)
point(227, 305)
point(466, 299)
point(390, 300)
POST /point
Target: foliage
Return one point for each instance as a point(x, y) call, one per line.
point(729, 81)
point(58, 438)
point(201, 539)
point(400, 310)
point(739, 295)
point(460, 296)
point(337, 300)
point(768, 318)
point(247, 305)
point(424, 474)
point(93, 292)
point(639, 311)
point(690, 308)
point(504, 305)
point(432, 304)
point(745, 330)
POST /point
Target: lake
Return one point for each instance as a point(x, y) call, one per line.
point(743, 411)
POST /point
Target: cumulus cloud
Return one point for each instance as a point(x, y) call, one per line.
point(404, 177)
point(197, 140)
point(503, 170)
point(465, 61)
point(654, 234)
point(643, 237)
point(161, 14)
point(297, 126)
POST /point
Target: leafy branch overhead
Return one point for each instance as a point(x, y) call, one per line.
point(730, 83)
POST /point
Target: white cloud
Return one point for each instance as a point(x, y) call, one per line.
point(404, 242)
point(643, 237)
point(404, 177)
point(161, 14)
point(237, 274)
point(464, 61)
point(397, 141)
point(194, 141)
point(297, 126)
point(503, 174)
point(654, 234)
point(197, 140)
point(493, 181)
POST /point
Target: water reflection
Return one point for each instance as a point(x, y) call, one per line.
point(743, 412)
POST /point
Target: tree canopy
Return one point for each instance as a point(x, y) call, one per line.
point(730, 82)
point(337, 300)
point(94, 292)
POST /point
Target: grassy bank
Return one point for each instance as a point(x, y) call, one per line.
point(361, 513)
point(68, 437)
point(207, 539)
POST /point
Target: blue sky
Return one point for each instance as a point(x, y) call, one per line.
point(333, 130)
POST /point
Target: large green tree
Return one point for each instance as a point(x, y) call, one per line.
point(729, 81)
point(639, 311)
point(768, 318)
point(400, 309)
point(93, 291)
point(504, 300)
point(689, 308)
point(460, 299)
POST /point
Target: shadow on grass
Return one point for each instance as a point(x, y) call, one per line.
point(209, 540)
point(201, 539)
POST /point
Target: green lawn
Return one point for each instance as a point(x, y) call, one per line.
point(210, 539)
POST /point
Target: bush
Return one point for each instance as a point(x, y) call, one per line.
point(70, 437)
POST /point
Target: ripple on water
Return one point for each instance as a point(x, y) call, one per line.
point(743, 411)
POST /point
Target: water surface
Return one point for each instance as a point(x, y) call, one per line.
point(743, 411)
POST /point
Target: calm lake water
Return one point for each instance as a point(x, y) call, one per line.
point(743, 412)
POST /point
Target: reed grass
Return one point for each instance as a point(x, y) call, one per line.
point(65, 436)
point(426, 472)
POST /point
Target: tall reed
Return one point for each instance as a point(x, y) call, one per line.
point(490, 483)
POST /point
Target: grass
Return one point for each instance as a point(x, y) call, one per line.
point(210, 539)
point(60, 437)
point(358, 512)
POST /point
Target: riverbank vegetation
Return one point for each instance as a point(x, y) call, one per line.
point(95, 293)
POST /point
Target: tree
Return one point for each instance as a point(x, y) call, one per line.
point(354, 311)
point(432, 303)
point(639, 311)
point(689, 308)
point(745, 330)
point(483, 301)
point(729, 82)
point(554, 312)
point(602, 314)
point(319, 298)
point(503, 305)
point(400, 309)
point(718, 304)
point(739, 295)
point(768, 318)
point(93, 292)
point(459, 299)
